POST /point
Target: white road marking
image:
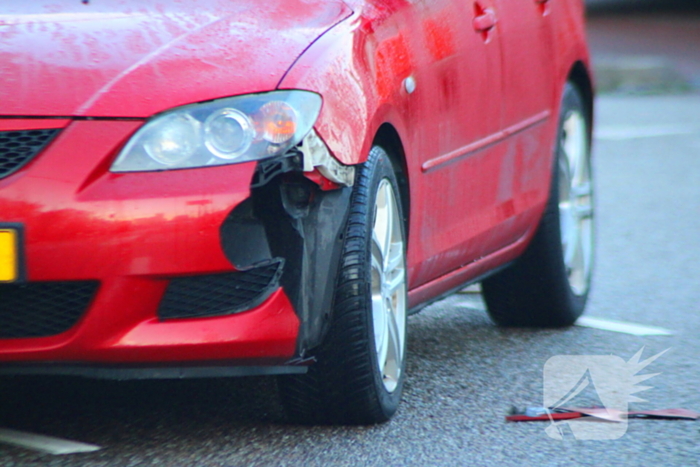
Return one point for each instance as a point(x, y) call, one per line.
point(621, 326)
point(474, 305)
point(47, 444)
point(621, 133)
point(472, 289)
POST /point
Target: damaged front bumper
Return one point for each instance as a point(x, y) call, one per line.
point(221, 270)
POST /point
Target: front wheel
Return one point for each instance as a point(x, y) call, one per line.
point(548, 286)
point(360, 367)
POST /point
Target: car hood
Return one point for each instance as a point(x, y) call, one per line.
point(134, 58)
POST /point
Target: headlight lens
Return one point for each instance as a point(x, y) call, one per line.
point(224, 131)
point(228, 133)
point(172, 139)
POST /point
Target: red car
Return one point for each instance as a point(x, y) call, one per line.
point(216, 187)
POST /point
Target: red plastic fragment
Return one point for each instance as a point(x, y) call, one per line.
point(321, 181)
point(544, 418)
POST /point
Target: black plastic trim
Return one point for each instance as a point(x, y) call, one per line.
point(220, 294)
point(164, 372)
point(44, 308)
point(49, 135)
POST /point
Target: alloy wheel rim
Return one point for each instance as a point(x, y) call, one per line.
point(388, 286)
point(576, 202)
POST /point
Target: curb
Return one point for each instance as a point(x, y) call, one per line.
point(640, 75)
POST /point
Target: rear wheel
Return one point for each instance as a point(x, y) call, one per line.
point(548, 286)
point(360, 367)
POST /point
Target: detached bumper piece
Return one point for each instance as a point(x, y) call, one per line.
point(220, 294)
point(42, 309)
point(17, 148)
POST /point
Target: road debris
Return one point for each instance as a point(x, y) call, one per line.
point(537, 414)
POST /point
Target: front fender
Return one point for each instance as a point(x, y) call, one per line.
point(359, 75)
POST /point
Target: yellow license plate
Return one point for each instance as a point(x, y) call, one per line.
point(8, 255)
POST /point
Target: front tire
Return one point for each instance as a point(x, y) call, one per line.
point(360, 368)
point(548, 285)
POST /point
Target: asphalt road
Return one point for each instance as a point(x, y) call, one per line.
point(464, 373)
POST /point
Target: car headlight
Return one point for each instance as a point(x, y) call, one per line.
point(224, 131)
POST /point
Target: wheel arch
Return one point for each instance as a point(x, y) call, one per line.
point(388, 138)
point(581, 77)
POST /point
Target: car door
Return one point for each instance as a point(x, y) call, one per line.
point(453, 218)
point(529, 100)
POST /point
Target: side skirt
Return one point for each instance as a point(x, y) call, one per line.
point(437, 289)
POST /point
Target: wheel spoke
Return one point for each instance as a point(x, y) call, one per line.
point(566, 222)
point(574, 144)
point(381, 330)
point(395, 259)
point(382, 230)
point(394, 281)
point(389, 232)
point(587, 246)
point(564, 178)
point(395, 338)
point(394, 272)
point(394, 355)
point(378, 247)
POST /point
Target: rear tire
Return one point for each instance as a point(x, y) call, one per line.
point(360, 368)
point(549, 284)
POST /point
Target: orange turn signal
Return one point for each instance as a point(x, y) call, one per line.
point(278, 122)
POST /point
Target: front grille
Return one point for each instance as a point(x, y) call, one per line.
point(19, 147)
point(41, 309)
point(220, 294)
